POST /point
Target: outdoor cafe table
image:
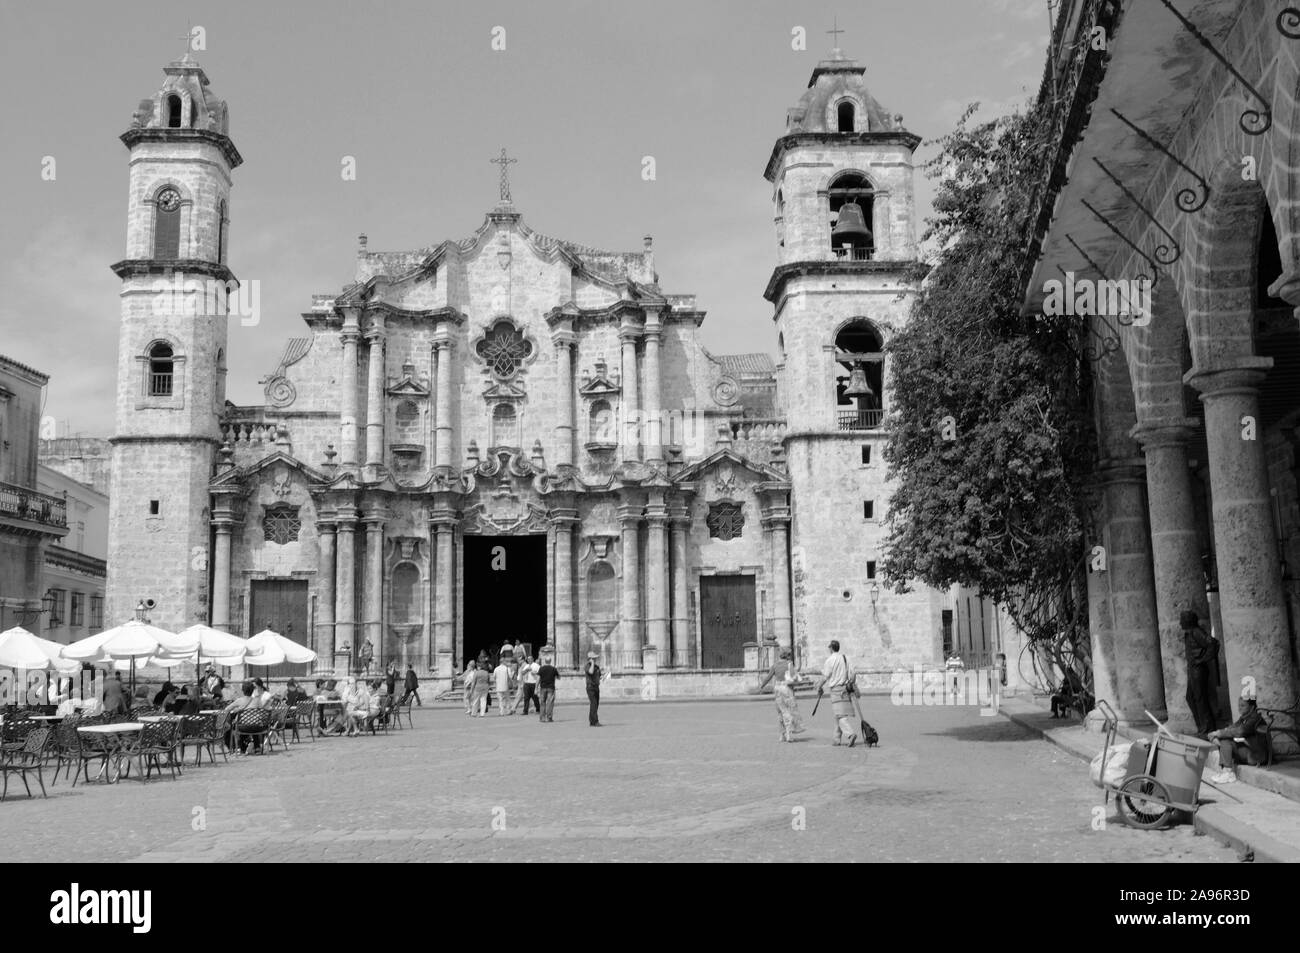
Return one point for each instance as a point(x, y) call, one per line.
point(120, 728)
point(154, 719)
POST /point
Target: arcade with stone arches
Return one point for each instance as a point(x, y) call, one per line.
point(1196, 496)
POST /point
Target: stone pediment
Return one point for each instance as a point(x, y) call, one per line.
point(600, 382)
point(503, 391)
point(408, 385)
point(243, 476)
point(730, 468)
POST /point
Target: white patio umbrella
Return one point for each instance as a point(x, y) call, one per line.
point(130, 640)
point(214, 644)
point(272, 648)
point(21, 649)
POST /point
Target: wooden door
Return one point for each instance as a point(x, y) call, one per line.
point(281, 606)
point(727, 620)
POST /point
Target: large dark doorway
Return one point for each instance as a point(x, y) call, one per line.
point(727, 620)
point(505, 593)
point(281, 606)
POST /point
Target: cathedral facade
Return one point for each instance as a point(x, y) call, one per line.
point(512, 436)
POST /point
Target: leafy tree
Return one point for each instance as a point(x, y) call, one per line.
point(989, 438)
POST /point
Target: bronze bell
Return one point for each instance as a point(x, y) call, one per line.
point(851, 226)
point(858, 386)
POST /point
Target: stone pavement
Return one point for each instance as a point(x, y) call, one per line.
point(661, 781)
point(1244, 816)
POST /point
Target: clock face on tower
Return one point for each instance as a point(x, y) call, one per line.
point(169, 200)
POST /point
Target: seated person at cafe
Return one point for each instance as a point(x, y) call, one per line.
point(293, 694)
point(334, 719)
point(165, 695)
point(1243, 741)
point(261, 696)
point(183, 703)
point(245, 700)
point(357, 706)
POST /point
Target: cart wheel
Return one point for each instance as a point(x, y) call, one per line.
point(1143, 802)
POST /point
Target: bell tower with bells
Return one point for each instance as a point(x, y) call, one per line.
point(842, 192)
point(172, 339)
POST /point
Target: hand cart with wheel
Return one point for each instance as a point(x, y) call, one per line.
point(1164, 779)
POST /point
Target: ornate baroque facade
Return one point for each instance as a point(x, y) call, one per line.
point(514, 436)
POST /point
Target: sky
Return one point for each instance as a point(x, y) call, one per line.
point(416, 94)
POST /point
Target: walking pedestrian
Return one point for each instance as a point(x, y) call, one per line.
point(528, 685)
point(1202, 652)
point(502, 676)
point(482, 685)
point(547, 675)
point(782, 677)
point(390, 679)
point(592, 671)
point(955, 667)
point(367, 653)
point(412, 686)
point(837, 678)
point(470, 667)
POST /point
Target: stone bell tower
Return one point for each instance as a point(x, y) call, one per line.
point(842, 188)
point(171, 349)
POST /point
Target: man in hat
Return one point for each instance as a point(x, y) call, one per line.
point(837, 678)
point(213, 684)
point(592, 671)
point(1202, 673)
point(1246, 739)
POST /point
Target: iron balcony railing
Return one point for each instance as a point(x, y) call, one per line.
point(853, 254)
point(860, 419)
point(18, 502)
point(160, 385)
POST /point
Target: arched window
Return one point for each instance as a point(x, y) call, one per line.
point(162, 367)
point(408, 422)
point(780, 218)
point(505, 426)
point(851, 203)
point(167, 225)
point(859, 379)
point(601, 423)
point(221, 232)
point(844, 116)
point(602, 593)
point(406, 594)
point(174, 111)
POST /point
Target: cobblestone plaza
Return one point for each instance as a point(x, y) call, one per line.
point(663, 781)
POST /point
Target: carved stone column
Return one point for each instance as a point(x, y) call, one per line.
point(776, 518)
point(629, 626)
point(324, 635)
point(373, 591)
point(683, 646)
point(564, 428)
point(564, 520)
point(443, 523)
point(1175, 552)
point(656, 576)
point(375, 393)
point(345, 606)
point(350, 335)
point(1256, 631)
point(630, 438)
point(442, 405)
point(1137, 673)
point(221, 573)
point(654, 450)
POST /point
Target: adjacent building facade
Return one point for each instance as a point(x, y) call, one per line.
point(31, 521)
point(513, 436)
